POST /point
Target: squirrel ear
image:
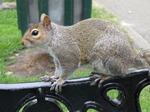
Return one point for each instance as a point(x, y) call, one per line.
point(46, 20)
point(42, 16)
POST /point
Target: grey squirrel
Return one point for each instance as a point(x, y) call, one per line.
point(92, 41)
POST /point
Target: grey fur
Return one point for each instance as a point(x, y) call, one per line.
point(93, 41)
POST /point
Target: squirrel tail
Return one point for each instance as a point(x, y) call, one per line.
point(144, 56)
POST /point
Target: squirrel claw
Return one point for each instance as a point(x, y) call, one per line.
point(57, 85)
point(98, 78)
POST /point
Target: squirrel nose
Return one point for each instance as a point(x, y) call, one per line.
point(22, 42)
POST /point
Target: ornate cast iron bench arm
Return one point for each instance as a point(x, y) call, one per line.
point(77, 95)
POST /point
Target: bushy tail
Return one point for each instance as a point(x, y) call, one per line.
point(144, 55)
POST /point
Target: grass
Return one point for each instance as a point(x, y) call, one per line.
point(9, 44)
point(145, 99)
point(9, 0)
point(100, 12)
point(81, 72)
point(9, 34)
point(9, 37)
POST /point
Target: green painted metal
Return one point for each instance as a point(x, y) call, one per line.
point(18, 14)
point(43, 6)
point(22, 15)
point(68, 9)
point(22, 11)
point(87, 6)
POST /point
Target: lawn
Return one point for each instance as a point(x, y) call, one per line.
point(9, 0)
point(10, 44)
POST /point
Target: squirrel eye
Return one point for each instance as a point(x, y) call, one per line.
point(35, 32)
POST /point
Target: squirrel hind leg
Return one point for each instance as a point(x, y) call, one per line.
point(98, 78)
point(47, 78)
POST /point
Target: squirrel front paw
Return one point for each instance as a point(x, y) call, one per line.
point(98, 78)
point(57, 85)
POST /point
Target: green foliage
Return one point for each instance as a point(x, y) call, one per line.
point(10, 38)
point(100, 12)
point(9, 33)
point(92, 110)
point(10, 78)
point(145, 99)
point(9, 0)
point(81, 72)
point(113, 94)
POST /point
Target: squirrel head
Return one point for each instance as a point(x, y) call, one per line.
point(37, 35)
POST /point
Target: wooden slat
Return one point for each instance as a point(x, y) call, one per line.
point(87, 6)
point(18, 14)
point(22, 15)
point(43, 6)
point(68, 10)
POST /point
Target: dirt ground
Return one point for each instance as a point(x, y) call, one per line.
point(28, 62)
point(31, 62)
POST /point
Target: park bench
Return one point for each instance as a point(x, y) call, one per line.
point(77, 95)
